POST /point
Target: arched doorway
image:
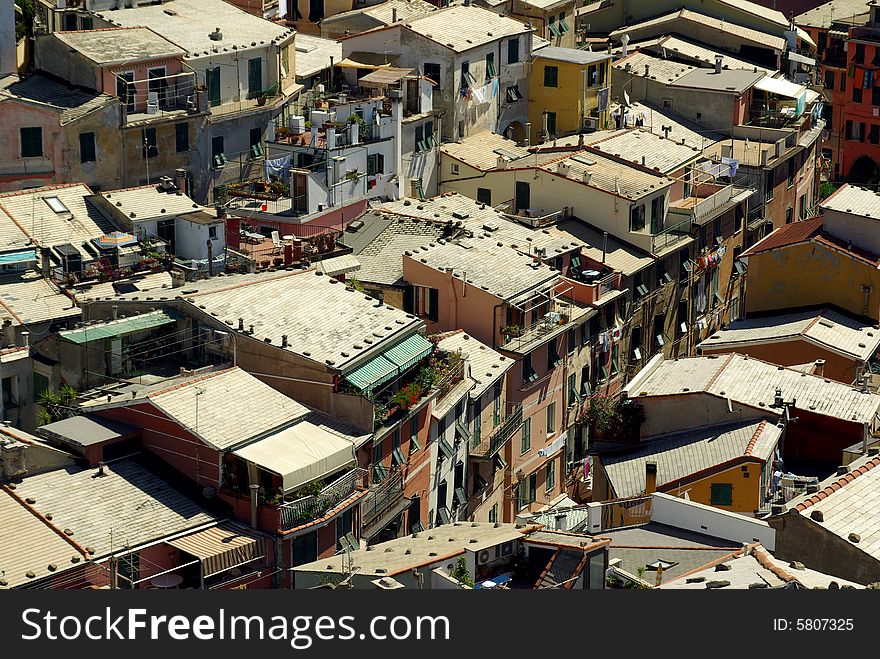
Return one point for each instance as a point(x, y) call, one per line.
point(864, 171)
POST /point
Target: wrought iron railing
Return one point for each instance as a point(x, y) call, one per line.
point(381, 497)
point(499, 436)
point(540, 328)
point(296, 513)
point(670, 235)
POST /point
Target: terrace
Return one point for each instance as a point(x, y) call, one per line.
point(299, 511)
point(709, 199)
point(159, 97)
point(507, 426)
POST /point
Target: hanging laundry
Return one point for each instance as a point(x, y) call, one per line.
point(701, 296)
point(732, 165)
point(602, 99)
point(278, 167)
point(478, 94)
point(869, 79)
point(603, 341)
point(859, 77)
point(615, 334)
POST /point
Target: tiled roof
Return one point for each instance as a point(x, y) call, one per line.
point(832, 330)
point(29, 545)
point(610, 176)
point(150, 202)
point(486, 365)
point(734, 81)
point(655, 118)
point(127, 507)
point(110, 289)
point(498, 269)
point(646, 65)
point(313, 54)
point(71, 103)
point(407, 10)
point(752, 382)
point(258, 407)
point(619, 256)
point(854, 200)
point(675, 46)
point(837, 11)
point(188, 24)
point(119, 45)
point(645, 148)
point(26, 298)
point(790, 234)
point(573, 55)
point(464, 27)
point(849, 504)
point(682, 455)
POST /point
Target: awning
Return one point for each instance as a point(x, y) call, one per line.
point(779, 87)
point(385, 76)
point(300, 454)
point(409, 351)
point(221, 547)
point(339, 265)
point(801, 59)
point(838, 34)
point(118, 327)
point(370, 375)
point(18, 257)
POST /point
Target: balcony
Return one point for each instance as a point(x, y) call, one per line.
point(166, 97)
point(592, 286)
point(382, 504)
point(865, 33)
point(299, 512)
point(491, 444)
point(551, 324)
point(708, 201)
point(670, 236)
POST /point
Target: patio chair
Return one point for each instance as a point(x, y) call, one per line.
point(276, 242)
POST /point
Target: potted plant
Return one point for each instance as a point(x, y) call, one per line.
point(278, 261)
point(261, 99)
point(512, 331)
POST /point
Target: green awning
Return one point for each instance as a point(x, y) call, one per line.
point(370, 375)
point(120, 327)
point(409, 351)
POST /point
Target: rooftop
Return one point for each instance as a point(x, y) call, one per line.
point(645, 65)
point(735, 81)
point(654, 119)
point(407, 10)
point(645, 148)
point(854, 200)
point(84, 430)
point(790, 234)
point(837, 332)
point(150, 202)
point(313, 54)
point(671, 22)
point(189, 24)
point(149, 282)
point(28, 546)
point(607, 175)
point(619, 255)
point(500, 270)
point(202, 406)
point(753, 568)
point(464, 27)
point(486, 365)
point(752, 382)
point(681, 456)
point(26, 298)
point(676, 47)
point(824, 16)
point(483, 150)
point(573, 55)
point(121, 45)
point(126, 507)
point(427, 547)
point(36, 89)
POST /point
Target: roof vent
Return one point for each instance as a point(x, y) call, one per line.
point(216, 35)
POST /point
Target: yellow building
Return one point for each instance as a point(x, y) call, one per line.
point(568, 92)
point(729, 467)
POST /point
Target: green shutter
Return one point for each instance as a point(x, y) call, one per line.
point(721, 494)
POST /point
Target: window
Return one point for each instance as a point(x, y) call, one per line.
point(683, 316)
point(497, 390)
point(635, 342)
point(305, 548)
point(637, 218)
point(554, 31)
point(526, 436)
point(657, 331)
point(857, 94)
point(615, 359)
point(843, 81)
point(721, 494)
point(31, 142)
point(592, 75)
point(874, 133)
point(802, 207)
point(829, 79)
point(255, 76)
point(571, 340)
point(465, 74)
point(87, 147)
point(769, 182)
point(453, 168)
point(574, 395)
point(532, 492)
point(550, 477)
point(375, 164)
point(513, 94)
point(426, 302)
point(212, 232)
point(551, 418)
point(551, 123)
point(513, 50)
point(181, 137)
point(344, 526)
point(70, 22)
point(493, 514)
point(151, 147)
point(218, 156)
point(875, 97)
point(432, 71)
point(788, 215)
point(859, 56)
point(419, 144)
point(212, 80)
point(528, 373)
point(551, 76)
point(791, 171)
point(414, 434)
point(255, 136)
point(656, 214)
point(553, 358)
point(490, 66)
point(484, 196)
point(563, 24)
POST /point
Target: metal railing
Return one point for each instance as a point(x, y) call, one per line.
point(607, 284)
point(381, 497)
point(670, 235)
point(450, 379)
point(491, 444)
point(303, 510)
point(540, 328)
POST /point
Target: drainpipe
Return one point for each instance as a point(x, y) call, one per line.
point(210, 246)
point(254, 489)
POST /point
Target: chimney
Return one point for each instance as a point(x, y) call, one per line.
point(528, 133)
point(284, 340)
point(394, 14)
point(241, 324)
point(221, 212)
point(501, 162)
point(604, 245)
point(331, 138)
point(26, 339)
point(647, 70)
point(625, 41)
point(650, 477)
point(180, 180)
point(718, 60)
point(666, 130)
point(254, 490)
point(115, 311)
point(216, 35)
point(210, 245)
point(45, 265)
point(841, 470)
point(819, 367)
point(100, 469)
point(777, 398)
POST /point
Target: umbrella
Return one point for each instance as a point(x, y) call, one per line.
point(115, 239)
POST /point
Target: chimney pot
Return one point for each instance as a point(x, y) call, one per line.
point(650, 477)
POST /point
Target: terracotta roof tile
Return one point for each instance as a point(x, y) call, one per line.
point(790, 234)
point(844, 480)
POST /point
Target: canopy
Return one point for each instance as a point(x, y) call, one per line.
point(119, 327)
point(409, 351)
point(115, 239)
point(300, 454)
point(18, 257)
point(339, 265)
point(221, 547)
point(780, 87)
point(801, 59)
point(370, 375)
point(385, 76)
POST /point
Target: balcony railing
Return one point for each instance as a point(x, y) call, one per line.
point(548, 324)
point(304, 510)
point(493, 443)
point(156, 98)
point(381, 497)
point(446, 382)
point(670, 235)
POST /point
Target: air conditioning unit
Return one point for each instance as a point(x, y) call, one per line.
point(483, 557)
point(591, 123)
point(507, 549)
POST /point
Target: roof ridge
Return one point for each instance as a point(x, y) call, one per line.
point(728, 358)
point(9, 489)
point(751, 445)
point(182, 385)
point(251, 282)
point(53, 186)
point(838, 484)
point(765, 562)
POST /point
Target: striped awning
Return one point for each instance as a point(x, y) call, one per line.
point(409, 351)
point(221, 547)
point(371, 374)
